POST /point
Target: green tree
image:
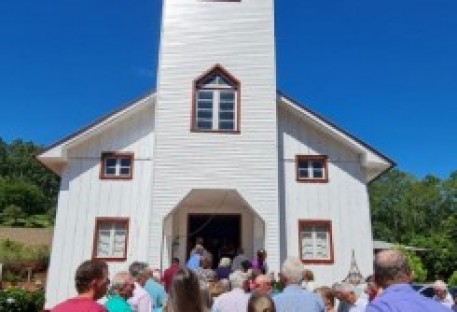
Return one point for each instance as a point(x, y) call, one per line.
point(11, 215)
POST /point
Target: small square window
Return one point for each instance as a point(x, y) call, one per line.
point(311, 168)
point(315, 241)
point(116, 166)
point(110, 239)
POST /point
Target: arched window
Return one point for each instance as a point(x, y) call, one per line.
point(216, 102)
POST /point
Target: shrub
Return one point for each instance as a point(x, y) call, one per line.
point(453, 279)
point(16, 299)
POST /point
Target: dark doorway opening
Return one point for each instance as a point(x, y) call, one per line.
point(221, 234)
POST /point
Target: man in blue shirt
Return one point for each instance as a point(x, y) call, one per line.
point(294, 298)
point(393, 275)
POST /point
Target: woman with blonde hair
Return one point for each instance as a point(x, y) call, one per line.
point(261, 303)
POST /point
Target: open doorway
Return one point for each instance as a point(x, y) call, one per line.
point(221, 234)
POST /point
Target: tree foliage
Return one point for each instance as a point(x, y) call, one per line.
point(418, 212)
point(28, 191)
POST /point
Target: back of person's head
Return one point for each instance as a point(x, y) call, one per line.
point(327, 296)
point(175, 260)
point(88, 272)
point(308, 275)
point(185, 293)
point(391, 267)
point(122, 284)
point(139, 271)
point(246, 265)
point(292, 269)
point(261, 303)
point(238, 279)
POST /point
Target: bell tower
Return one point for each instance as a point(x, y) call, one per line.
point(215, 115)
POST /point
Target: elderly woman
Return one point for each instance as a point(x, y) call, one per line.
point(121, 289)
point(224, 269)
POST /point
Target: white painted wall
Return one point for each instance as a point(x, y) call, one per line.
point(83, 197)
point(343, 200)
point(196, 35)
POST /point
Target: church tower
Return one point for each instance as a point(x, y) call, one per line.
point(216, 124)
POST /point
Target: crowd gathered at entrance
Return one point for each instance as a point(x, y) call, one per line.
point(240, 285)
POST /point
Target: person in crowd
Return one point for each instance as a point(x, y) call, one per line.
point(185, 293)
point(224, 269)
point(235, 300)
point(337, 291)
point(245, 266)
point(120, 291)
point(91, 281)
point(327, 297)
point(259, 264)
point(140, 301)
point(156, 291)
point(207, 299)
point(261, 303)
point(217, 288)
point(308, 280)
point(354, 303)
point(370, 289)
point(393, 274)
point(293, 297)
point(169, 273)
point(239, 258)
point(195, 257)
point(441, 294)
point(204, 272)
point(200, 242)
point(262, 285)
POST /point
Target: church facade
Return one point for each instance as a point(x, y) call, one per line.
point(215, 152)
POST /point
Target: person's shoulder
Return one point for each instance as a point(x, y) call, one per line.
point(76, 304)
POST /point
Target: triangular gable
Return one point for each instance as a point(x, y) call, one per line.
point(374, 162)
point(54, 157)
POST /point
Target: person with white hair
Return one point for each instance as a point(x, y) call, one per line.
point(140, 301)
point(294, 298)
point(224, 269)
point(121, 290)
point(441, 294)
point(235, 300)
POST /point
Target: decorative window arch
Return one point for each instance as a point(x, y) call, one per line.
point(216, 102)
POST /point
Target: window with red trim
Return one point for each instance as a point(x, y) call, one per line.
point(216, 102)
point(110, 238)
point(315, 241)
point(116, 165)
point(311, 168)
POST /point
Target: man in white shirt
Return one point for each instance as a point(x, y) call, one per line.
point(140, 301)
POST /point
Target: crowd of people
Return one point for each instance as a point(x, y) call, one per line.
point(243, 285)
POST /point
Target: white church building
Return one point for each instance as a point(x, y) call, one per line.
point(216, 152)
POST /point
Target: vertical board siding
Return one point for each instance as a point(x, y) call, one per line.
point(195, 36)
point(83, 197)
point(343, 200)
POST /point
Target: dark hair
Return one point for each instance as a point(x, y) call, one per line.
point(261, 303)
point(246, 265)
point(138, 269)
point(185, 293)
point(391, 267)
point(87, 272)
point(175, 260)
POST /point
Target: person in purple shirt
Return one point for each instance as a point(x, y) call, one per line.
point(393, 275)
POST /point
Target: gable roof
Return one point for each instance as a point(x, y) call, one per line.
point(375, 163)
point(54, 156)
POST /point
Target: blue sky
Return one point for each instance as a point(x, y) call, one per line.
point(385, 71)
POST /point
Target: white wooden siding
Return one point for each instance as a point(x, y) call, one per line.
point(343, 200)
point(83, 197)
point(239, 36)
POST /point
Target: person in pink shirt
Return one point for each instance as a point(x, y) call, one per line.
point(91, 282)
